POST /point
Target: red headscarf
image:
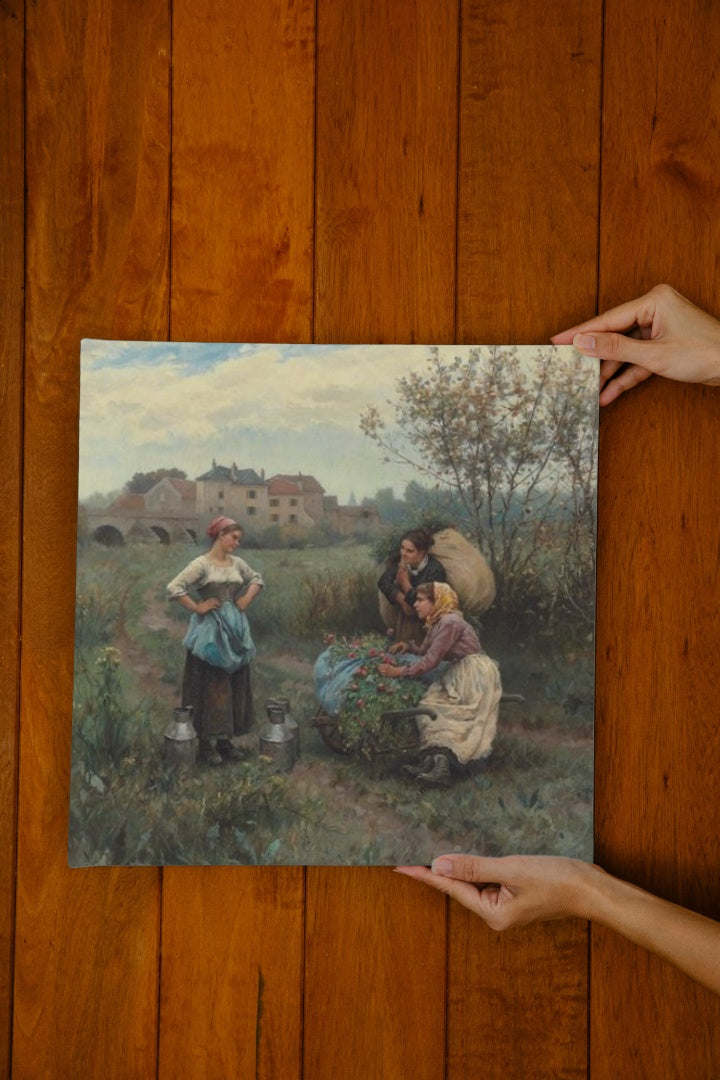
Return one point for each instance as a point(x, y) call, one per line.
point(221, 524)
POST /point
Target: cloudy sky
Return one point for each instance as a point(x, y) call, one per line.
point(281, 408)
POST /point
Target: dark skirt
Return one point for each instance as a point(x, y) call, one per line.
point(222, 704)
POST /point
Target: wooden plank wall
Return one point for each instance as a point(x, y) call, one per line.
point(375, 170)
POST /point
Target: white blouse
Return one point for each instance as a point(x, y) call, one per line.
point(202, 571)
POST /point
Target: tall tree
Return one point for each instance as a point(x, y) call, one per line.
point(513, 439)
point(143, 481)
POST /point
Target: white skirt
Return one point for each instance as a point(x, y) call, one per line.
point(466, 699)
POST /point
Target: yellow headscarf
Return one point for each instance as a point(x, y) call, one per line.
point(446, 601)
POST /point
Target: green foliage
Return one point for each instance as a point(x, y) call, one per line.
point(343, 599)
point(369, 695)
point(515, 444)
point(129, 806)
point(101, 719)
point(141, 482)
point(96, 615)
point(388, 545)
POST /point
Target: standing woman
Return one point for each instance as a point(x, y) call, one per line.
point(412, 566)
point(216, 680)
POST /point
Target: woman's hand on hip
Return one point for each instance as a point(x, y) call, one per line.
point(211, 604)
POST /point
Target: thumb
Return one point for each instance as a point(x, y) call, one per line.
point(466, 868)
point(621, 349)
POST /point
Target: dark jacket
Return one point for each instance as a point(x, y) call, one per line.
point(432, 571)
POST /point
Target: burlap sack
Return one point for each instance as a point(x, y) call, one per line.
point(467, 571)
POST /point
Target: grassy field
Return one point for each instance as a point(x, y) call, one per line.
point(533, 794)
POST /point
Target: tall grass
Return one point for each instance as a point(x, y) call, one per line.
point(128, 806)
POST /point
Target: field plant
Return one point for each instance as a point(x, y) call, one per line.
point(368, 696)
point(513, 443)
point(129, 806)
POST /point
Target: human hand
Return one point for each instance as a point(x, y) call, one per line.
point(512, 891)
point(399, 647)
point(390, 671)
point(402, 577)
point(211, 604)
point(244, 602)
point(660, 333)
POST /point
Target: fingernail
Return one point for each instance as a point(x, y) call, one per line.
point(442, 866)
point(584, 341)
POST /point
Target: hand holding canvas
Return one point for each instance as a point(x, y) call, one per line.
point(660, 333)
point(521, 889)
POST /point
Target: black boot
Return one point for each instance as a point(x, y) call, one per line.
point(424, 765)
point(226, 750)
point(438, 775)
point(207, 754)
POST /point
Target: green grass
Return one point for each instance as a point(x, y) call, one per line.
point(127, 806)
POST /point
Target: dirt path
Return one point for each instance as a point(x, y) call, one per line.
point(352, 803)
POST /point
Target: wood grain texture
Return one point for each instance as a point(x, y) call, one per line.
point(243, 107)
point(529, 159)
point(658, 793)
point(386, 171)
point(384, 271)
point(12, 219)
point(375, 976)
point(439, 217)
point(231, 999)
point(527, 258)
point(97, 232)
point(243, 126)
point(517, 1002)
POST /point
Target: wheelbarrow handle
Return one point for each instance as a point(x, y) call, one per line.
point(407, 714)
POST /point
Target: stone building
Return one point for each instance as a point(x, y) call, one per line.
point(174, 510)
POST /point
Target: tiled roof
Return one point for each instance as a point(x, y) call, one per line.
point(307, 484)
point(128, 501)
point(280, 485)
point(224, 474)
point(185, 488)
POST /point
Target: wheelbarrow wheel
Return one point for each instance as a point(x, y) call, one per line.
point(329, 729)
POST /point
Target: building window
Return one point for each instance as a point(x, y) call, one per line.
point(274, 502)
point(251, 511)
point(251, 494)
point(293, 518)
point(221, 494)
point(293, 502)
point(274, 517)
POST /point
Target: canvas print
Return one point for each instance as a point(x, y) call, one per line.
point(334, 603)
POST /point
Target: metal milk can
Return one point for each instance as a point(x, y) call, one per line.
point(181, 741)
point(277, 740)
point(289, 720)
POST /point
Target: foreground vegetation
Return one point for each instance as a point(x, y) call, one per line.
point(128, 806)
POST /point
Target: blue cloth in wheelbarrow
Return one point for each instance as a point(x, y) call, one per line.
point(333, 676)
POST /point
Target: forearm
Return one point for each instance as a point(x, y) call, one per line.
point(187, 602)
point(689, 941)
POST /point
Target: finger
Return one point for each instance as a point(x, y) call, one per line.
point(621, 349)
point(476, 868)
point(466, 894)
point(623, 317)
point(631, 376)
point(608, 368)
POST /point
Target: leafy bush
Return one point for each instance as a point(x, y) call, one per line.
point(361, 727)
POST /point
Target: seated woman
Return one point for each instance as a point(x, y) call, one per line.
point(465, 698)
point(412, 566)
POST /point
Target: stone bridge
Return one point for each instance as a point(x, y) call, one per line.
point(143, 526)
